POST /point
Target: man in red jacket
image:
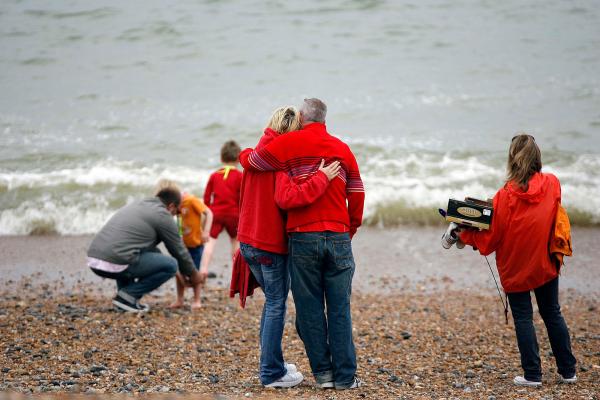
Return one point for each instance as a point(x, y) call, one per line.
point(322, 264)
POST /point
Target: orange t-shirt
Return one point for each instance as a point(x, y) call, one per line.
point(191, 220)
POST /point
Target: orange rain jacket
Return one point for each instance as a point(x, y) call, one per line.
point(560, 238)
point(520, 233)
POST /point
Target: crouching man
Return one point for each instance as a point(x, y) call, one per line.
point(125, 249)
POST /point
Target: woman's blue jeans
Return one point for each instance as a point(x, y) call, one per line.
point(558, 333)
point(271, 272)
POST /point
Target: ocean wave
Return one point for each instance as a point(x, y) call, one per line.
point(96, 13)
point(107, 172)
point(407, 188)
point(410, 189)
point(34, 218)
point(79, 200)
point(38, 61)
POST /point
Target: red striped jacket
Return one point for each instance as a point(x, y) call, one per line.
point(299, 153)
point(262, 223)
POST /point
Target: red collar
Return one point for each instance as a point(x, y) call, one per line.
point(271, 132)
point(316, 127)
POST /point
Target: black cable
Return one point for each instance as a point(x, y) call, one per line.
point(505, 305)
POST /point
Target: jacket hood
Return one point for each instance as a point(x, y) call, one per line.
point(271, 133)
point(535, 192)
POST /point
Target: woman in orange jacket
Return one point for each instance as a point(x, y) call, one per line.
point(524, 212)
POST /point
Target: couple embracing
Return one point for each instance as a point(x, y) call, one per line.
point(302, 201)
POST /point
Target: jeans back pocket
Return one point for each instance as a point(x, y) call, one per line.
point(342, 254)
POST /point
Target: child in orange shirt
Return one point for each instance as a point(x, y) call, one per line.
point(195, 222)
point(222, 195)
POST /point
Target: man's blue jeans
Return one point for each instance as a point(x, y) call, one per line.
point(271, 272)
point(151, 270)
point(558, 333)
point(321, 270)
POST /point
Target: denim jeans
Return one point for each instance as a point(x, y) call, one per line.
point(321, 270)
point(151, 270)
point(558, 333)
point(271, 272)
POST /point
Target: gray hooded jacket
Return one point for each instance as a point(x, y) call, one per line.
point(136, 227)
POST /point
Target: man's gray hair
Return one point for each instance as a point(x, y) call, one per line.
point(313, 110)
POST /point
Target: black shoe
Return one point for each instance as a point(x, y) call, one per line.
point(126, 305)
point(211, 275)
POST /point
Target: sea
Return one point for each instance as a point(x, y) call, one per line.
point(98, 100)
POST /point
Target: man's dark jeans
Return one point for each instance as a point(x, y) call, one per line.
point(151, 270)
point(558, 333)
point(321, 270)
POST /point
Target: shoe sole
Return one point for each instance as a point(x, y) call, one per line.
point(326, 385)
point(125, 307)
point(349, 387)
point(285, 384)
point(528, 384)
point(355, 385)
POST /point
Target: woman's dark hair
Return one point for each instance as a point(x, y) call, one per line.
point(524, 160)
point(230, 151)
point(168, 192)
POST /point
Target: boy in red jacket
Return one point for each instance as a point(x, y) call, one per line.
point(222, 196)
point(322, 263)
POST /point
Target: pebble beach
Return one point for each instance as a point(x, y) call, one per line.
point(100, 100)
point(435, 334)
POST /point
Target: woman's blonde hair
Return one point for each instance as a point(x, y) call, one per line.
point(524, 160)
point(285, 119)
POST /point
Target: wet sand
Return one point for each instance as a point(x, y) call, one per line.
point(407, 258)
point(427, 324)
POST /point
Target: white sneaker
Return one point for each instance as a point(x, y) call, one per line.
point(290, 368)
point(326, 385)
point(287, 381)
point(520, 381)
point(572, 379)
